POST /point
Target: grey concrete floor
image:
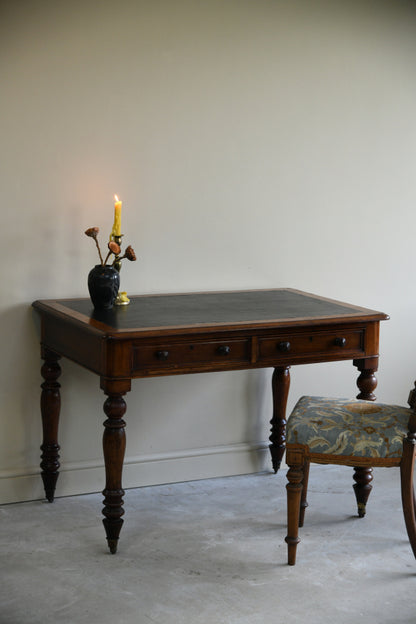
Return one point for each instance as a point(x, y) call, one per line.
point(211, 551)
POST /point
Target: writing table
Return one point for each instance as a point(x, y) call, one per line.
point(192, 333)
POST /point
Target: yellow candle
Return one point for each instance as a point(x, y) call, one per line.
point(117, 217)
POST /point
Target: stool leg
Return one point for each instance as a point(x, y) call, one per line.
point(294, 491)
point(408, 495)
point(303, 501)
point(362, 488)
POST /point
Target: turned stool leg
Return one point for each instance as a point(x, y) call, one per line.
point(303, 501)
point(362, 488)
point(408, 495)
point(294, 491)
point(50, 404)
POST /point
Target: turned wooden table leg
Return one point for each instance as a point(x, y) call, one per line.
point(50, 405)
point(280, 388)
point(114, 446)
point(367, 383)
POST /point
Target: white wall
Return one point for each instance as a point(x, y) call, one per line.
point(254, 144)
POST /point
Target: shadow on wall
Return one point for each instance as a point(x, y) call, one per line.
point(259, 405)
point(20, 393)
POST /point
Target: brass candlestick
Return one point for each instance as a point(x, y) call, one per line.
point(122, 298)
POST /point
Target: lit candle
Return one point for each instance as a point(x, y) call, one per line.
point(117, 217)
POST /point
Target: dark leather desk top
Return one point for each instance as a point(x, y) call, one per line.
point(255, 307)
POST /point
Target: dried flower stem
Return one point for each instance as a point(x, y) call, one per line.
point(107, 257)
point(99, 251)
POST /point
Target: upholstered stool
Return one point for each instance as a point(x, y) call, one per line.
point(352, 433)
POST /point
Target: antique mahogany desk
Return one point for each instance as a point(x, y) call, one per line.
point(193, 333)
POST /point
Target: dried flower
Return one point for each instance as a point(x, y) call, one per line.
point(114, 248)
point(93, 232)
point(129, 253)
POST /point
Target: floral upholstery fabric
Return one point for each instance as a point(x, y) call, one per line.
point(348, 427)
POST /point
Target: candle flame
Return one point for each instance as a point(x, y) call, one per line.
point(116, 198)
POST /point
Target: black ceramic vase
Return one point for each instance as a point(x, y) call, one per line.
point(103, 285)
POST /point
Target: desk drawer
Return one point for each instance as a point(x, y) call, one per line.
point(346, 342)
point(180, 355)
